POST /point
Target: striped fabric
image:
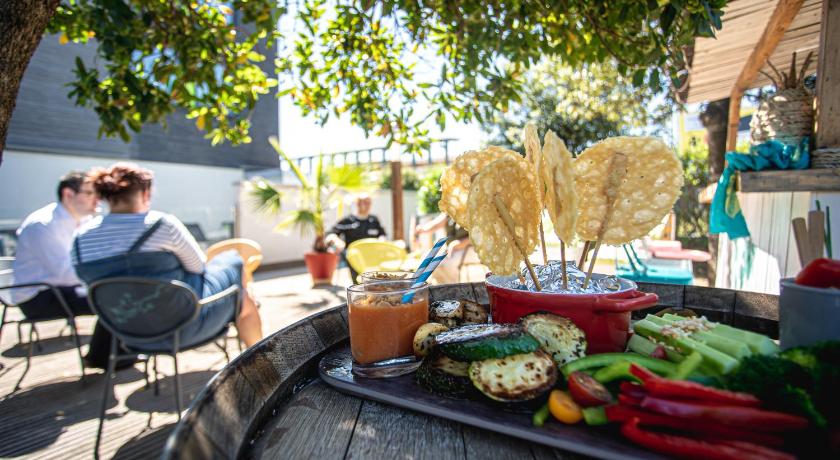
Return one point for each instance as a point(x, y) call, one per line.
point(113, 234)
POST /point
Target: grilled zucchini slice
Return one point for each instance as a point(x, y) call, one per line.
point(558, 336)
point(514, 378)
point(424, 338)
point(476, 342)
point(474, 313)
point(446, 312)
point(444, 376)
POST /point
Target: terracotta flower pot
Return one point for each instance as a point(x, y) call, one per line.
point(321, 266)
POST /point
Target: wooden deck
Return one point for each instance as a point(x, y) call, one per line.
point(54, 415)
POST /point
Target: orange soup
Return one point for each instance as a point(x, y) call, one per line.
point(382, 330)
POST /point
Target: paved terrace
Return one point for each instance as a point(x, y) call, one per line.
point(54, 415)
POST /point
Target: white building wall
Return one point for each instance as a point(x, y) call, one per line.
point(758, 263)
point(195, 194)
point(289, 245)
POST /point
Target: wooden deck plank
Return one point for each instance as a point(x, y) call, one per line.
point(291, 433)
point(390, 433)
point(480, 444)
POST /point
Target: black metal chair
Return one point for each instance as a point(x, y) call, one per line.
point(142, 312)
point(6, 287)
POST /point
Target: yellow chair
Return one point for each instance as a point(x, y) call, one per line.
point(249, 250)
point(370, 254)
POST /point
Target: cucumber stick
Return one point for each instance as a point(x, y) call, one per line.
point(735, 348)
point(718, 361)
point(591, 362)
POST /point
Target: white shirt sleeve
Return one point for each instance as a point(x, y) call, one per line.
point(52, 255)
point(184, 246)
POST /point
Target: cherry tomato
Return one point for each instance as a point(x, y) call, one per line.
point(659, 353)
point(563, 408)
point(587, 391)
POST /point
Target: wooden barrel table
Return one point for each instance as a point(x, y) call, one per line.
point(270, 403)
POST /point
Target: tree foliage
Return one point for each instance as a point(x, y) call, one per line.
point(392, 67)
point(582, 105)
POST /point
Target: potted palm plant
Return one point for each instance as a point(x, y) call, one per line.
point(321, 192)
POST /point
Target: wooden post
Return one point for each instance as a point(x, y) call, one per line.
point(397, 200)
point(774, 31)
point(828, 77)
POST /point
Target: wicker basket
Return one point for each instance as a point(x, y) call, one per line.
point(828, 158)
point(786, 116)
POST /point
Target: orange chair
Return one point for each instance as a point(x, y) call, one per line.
point(249, 250)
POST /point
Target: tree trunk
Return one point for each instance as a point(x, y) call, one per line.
point(715, 118)
point(22, 24)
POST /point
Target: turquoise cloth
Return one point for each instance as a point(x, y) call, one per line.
point(725, 214)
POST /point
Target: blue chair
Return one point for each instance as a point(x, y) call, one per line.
point(147, 316)
point(638, 270)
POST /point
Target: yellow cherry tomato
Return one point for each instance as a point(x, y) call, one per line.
point(564, 408)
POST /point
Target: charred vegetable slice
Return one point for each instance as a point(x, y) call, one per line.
point(424, 338)
point(557, 335)
point(442, 375)
point(514, 378)
point(450, 313)
point(474, 313)
point(485, 341)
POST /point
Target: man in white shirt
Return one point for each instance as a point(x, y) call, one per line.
point(45, 239)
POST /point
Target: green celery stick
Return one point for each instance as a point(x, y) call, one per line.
point(757, 343)
point(720, 362)
point(644, 346)
point(735, 348)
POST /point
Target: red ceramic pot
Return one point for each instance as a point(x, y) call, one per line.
point(321, 266)
point(604, 318)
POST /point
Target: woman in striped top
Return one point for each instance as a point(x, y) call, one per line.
point(127, 188)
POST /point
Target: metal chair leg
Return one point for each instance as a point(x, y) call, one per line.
point(2, 321)
point(37, 337)
point(146, 373)
point(28, 362)
point(177, 376)
point(75, 333)
point(154, 369)
point(109, 373)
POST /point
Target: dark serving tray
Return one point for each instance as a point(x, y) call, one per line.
point(602, 442)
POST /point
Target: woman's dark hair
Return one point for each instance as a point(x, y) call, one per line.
point(121, 181)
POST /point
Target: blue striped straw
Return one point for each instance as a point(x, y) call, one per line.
point(422, 277)
point(431, 255)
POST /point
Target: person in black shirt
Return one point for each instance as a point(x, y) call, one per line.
point(356, 226)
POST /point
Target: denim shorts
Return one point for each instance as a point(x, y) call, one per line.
point(222, 272)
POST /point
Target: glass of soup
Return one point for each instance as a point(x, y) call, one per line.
point(378, 275)
point(384, 316)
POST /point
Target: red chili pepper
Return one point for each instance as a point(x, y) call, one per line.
point(628, 400)
point(707, 431)
point(692, 390)
point(756, 419)
point(683, 447)
point(633, 389)
point(642, 373)
point(821, 273)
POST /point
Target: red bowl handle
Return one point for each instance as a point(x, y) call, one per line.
point(636, 301)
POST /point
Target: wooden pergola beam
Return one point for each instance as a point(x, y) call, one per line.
point(828, 77)
point(778, 23)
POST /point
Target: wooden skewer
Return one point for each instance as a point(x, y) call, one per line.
point(563, 267)
point(803, 242)
point(542, 244)
point(816, 233)
point(508, 220)
point(592, 263)
point(618, 170)
point(583, 254)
